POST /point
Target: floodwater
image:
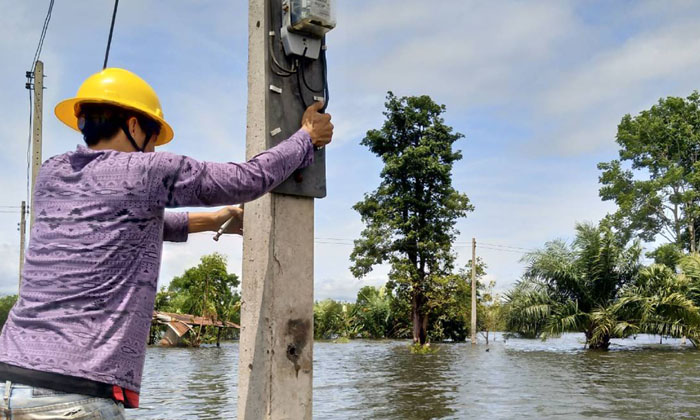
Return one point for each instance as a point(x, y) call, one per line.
point(523, 379)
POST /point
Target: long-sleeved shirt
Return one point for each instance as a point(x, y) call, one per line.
point(91, 269)
point(175, 226)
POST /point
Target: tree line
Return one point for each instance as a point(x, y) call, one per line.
point(382, 312)
point(596, 285)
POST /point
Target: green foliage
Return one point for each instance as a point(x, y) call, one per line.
point(528, 306)
point(450, 306)
point(333, 318)
point(418, 348)
point(6, 303)
point(205, 290)
point(571, 289)
point(409, 219)
point(657, 191)
point(667, 254)
point(661, 302)
point(373, 312)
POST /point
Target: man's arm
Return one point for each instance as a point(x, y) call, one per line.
point(177, 225)
point(211, 221)
point(188, 182)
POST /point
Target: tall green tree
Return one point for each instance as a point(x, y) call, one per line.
point(656, 180)
point(409, 219)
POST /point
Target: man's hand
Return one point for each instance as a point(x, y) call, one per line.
point(317, 125)
point(212, 221)
point(222, 215)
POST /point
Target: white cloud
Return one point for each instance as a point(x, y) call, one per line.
point(619, 74)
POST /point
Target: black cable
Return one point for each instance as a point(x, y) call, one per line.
point(324, 64)
point(279, 73)
point(29, 86)
point(303, 78)
point(111, 30)
point(40, 45)
point(301, 91)
point(284, 71)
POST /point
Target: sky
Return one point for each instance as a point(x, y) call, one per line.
point(536, 87)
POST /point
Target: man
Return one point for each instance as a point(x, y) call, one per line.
point(74, 344)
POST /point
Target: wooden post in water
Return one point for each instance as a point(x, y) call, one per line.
point(275, 357)
point(473, 325)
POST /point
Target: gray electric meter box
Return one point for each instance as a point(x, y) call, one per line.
point(304, 24)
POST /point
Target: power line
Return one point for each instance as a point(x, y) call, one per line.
point(485, 245)
point(111, 30)
point(39, 47)
point(504, 250)
point(29, 86)
point(508, 246)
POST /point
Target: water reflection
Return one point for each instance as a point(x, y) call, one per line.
point(524, 379)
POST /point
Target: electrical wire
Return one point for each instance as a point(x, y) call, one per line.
point(40, 45)
point(283, 72)
point(301, 79)
point(306, 83)
point(111, 30)
point(507, 246)
point(30, 87)
point(503, 250)
point(324, 64)
point(301, 91)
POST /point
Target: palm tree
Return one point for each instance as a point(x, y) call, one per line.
point(572, 288)
point(527, 307)
point(661, 302)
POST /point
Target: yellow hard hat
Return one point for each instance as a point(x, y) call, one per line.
point(116, 87)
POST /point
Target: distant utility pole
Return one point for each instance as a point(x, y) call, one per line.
point(36, 131)
point(22, 233)
point(473, 329)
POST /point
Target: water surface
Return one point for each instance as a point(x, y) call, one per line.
point(524, 379)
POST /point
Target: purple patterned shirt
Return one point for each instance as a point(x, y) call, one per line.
point(91, 271)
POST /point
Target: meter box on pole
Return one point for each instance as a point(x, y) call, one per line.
point(304, 24)
point(298, 77)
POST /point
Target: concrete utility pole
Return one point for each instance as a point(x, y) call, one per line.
point(22, 233)
point(276, 344)
point(36, 134)
point(473, 326)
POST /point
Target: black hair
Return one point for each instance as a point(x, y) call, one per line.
point(103, 121)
